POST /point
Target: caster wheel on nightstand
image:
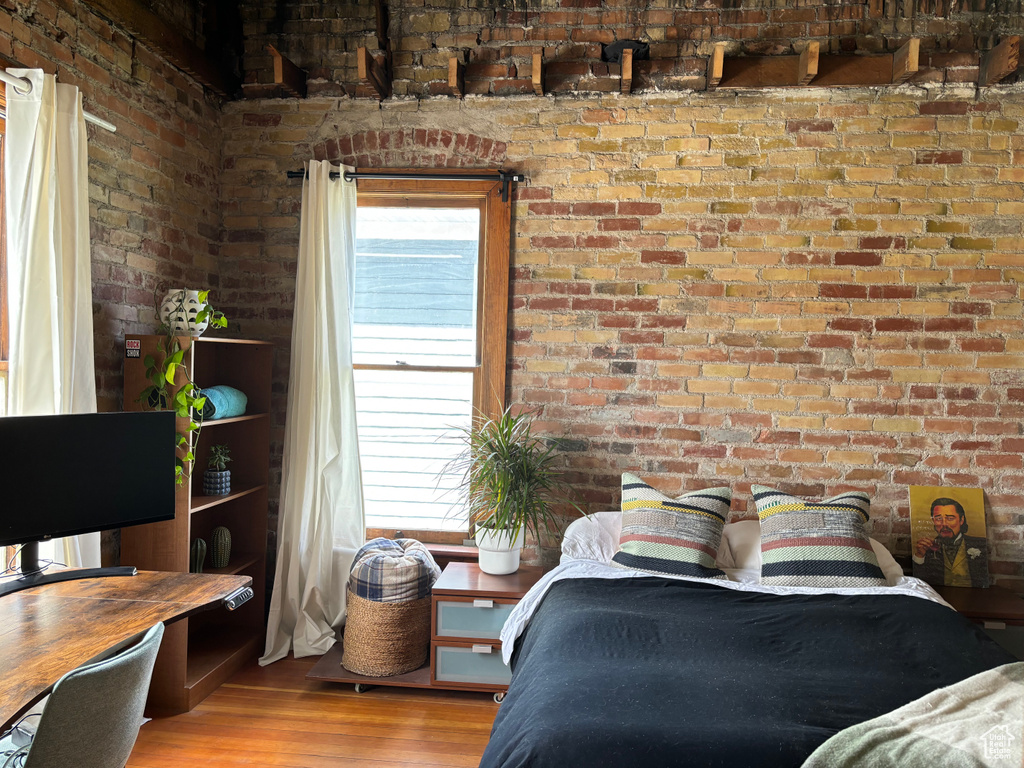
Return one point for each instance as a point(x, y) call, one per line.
point(499, 697)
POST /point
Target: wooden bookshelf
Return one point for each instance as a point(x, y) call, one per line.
point(200, 653)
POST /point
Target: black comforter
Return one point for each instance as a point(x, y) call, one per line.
point(654, 672)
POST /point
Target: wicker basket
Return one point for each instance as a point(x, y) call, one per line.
point(383, 639)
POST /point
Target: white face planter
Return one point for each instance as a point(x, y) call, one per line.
point(178, 311)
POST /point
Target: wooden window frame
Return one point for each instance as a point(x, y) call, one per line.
point(492, 289)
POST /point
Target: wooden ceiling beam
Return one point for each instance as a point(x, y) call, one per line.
point(716, 64)
point(812, 68)
point(537, 74)
point(905, 61)
point(807, 67)
point(287, 75)
point(626, 71)
point(146, 26)
point(372, 73)
point(1002, 61)
point(456, 77)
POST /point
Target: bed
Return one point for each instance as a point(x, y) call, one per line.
point(613, 667)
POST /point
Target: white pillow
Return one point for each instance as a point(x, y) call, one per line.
point(596, 537)
point(741, 545)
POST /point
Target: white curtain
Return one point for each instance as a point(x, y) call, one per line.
point(46, 193)
point(320, 523)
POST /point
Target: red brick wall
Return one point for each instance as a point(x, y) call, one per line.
point(815, 290)
point(497, 42)
point(153, 186)
point(154, 193)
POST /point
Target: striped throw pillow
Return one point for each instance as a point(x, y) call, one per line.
point(671, 536)
point(816, 543)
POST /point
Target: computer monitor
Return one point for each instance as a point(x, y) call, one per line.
point(77, 473)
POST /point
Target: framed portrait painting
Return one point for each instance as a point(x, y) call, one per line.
point(947, 535)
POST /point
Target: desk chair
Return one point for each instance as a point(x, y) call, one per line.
point(93, 716)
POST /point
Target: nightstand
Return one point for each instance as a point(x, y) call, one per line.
point(469, 609)
point(998, 610)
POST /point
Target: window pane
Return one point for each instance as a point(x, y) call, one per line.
point(407, 422)
point(416, 286)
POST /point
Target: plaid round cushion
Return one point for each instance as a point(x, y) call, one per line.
point(393, 571)
point(816, 543)
point(673, 536)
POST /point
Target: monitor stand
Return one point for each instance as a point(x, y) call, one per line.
point(34, 577)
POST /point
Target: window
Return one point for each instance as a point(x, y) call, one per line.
point(431, 307)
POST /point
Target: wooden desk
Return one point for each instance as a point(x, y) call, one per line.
point(47, 631)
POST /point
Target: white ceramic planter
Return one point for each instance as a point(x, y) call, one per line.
point(179, 312)
point(499, 554)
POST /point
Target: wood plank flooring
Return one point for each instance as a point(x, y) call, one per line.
point(273, 716)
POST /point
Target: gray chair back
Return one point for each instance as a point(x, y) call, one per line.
point(93, 716)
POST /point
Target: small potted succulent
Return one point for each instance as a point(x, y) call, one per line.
point(217, 478)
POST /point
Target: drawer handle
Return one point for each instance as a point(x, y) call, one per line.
point(482, 649)
point(483, 603)
point(994, 625)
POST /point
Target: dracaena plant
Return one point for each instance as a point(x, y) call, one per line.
point(187, 401)
point(509, 478)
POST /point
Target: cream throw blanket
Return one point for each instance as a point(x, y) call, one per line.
point(977, 722)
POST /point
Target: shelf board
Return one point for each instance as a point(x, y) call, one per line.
point(250, 342)
point(236, 564)
point(215, 656)
point(234, 419)
point(205, 502)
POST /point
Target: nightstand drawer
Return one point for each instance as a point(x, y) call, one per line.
point(470, 618)
point(469, 664)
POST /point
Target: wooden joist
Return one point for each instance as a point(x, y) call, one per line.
point(905, 61)
point(287, 75)
point(626, 71)
point(456, 77)
point(1002, 61)
point(716, 64)
point(372, 73)
point(807, 67)
point(812, 68)
point(537, 74)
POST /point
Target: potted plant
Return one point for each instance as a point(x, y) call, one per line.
point(509, 483)
point(163, 369)
point(217, 478)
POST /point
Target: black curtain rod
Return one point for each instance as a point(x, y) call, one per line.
point(501, 176)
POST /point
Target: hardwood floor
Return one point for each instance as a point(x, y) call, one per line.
point(272, 716)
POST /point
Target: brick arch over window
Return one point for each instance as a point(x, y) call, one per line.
point(412, 148)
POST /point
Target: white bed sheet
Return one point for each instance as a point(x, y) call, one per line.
point(592, 569)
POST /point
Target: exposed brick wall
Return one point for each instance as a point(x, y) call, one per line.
point(154, 194)
point(819, 290)
point(497, 40)
point(154, 191)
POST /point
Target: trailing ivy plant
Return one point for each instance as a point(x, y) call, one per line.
point(162, 369)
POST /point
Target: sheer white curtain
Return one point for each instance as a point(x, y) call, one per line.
point(320, 523)
point(46, 177)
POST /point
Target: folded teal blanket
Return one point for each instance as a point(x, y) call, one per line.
point(223, 402)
